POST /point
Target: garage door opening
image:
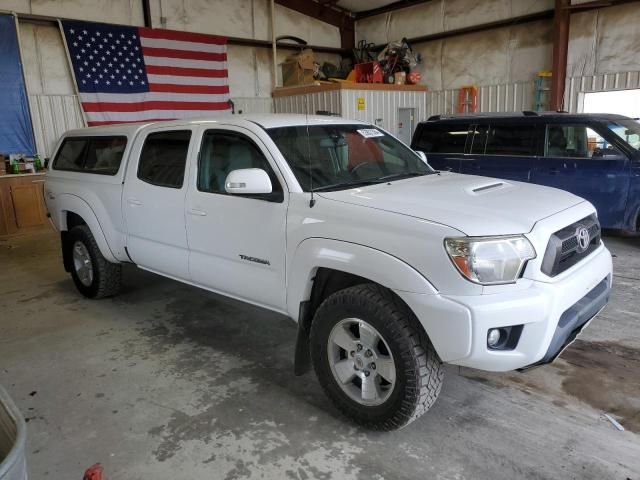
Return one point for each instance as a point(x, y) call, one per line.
point(621, 102)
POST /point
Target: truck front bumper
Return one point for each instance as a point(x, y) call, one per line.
point(551, 315)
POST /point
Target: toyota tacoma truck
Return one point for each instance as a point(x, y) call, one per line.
point(389, 267)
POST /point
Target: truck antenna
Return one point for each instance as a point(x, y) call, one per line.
point(312, 200)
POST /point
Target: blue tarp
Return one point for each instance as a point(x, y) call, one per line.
point(16, 132)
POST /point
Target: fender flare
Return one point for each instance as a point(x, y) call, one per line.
point(366, 262)
point(72, 203)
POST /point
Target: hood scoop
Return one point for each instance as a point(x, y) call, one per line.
point(486, 188)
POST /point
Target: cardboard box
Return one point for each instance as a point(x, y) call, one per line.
point(298, 69)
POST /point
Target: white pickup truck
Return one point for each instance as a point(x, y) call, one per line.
point(389, 267)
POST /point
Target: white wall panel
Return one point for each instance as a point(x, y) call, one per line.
point(44, 59)
point(315, 32)
point(443, 15)
point(606, 40)
point(253, 104)
point(52, 115)
point(126, 12)
point(52, 101)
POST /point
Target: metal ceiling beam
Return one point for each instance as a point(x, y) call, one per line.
point(388, 8)
point(532, 17)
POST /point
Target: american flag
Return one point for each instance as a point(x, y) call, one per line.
point(132, 74)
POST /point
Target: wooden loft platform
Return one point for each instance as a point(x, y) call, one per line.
point(330, 87)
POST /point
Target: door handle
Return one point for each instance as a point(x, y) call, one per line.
point(197, 212)
point(133, 201)
point(554, 171)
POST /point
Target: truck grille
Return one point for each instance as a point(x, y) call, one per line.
point(570, 245)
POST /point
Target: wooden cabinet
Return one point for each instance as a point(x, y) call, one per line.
point(21, 203)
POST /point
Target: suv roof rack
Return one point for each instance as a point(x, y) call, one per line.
point(525, 113)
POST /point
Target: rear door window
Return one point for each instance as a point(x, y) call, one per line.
point(164, 157)
point(517, 140)
point(443, 138)
point(99, 155)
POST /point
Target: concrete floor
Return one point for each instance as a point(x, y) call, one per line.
point(169, 382)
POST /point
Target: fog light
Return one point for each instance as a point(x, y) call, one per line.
point(493, 337)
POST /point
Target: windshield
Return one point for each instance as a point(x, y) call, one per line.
point(345, 156)
point(627, 130)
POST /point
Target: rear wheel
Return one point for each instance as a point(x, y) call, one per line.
point(93, 275)
point(373, 359)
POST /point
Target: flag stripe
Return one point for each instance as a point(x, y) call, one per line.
point(186, 80)
point(186, 72)
point(175, 53)
point(184, 63)
point(178, 45)
point(151, 105)
point(151, 96)
point(149, 115)
point(182, 36)
point(167, 87)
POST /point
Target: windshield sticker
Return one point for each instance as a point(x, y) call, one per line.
point(370, 133)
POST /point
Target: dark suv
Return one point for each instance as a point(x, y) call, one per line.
point(595, 156)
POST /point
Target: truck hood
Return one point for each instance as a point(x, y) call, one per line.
point(474, 205)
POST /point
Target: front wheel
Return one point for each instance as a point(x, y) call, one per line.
point(93, 275)
point(373, 359)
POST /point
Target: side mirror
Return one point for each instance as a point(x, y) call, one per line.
point(422, 156)
point(248, 181)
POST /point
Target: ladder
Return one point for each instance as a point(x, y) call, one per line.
point(468, 99)
point(542, 90)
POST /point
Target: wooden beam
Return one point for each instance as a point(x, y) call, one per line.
point(561, 21)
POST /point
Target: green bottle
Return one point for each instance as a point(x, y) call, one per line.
point(37, 162)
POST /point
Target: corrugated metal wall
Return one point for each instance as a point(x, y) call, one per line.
point(380, 107)
point(253, 104)
point(507, 97)
point(309, 103)
point(577, 86)
point(52, 115)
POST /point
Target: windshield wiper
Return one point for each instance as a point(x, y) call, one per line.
point(399, 176)
point(345, 185)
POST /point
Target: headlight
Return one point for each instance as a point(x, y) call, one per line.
point(490, 260)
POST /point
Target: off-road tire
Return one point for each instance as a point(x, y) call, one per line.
point(107, 276)
point(419, 371)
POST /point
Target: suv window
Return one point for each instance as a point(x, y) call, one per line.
point(163, 158)
point(442, 138)
point(100, 155)
point(222, 152)
point(577, 141)
point(507, 140)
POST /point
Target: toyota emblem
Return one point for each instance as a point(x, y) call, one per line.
point(584, 239)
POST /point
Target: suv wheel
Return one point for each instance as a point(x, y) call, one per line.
point(373, 359)
point(93, 275)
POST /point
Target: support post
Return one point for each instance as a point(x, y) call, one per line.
point(561, 22)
